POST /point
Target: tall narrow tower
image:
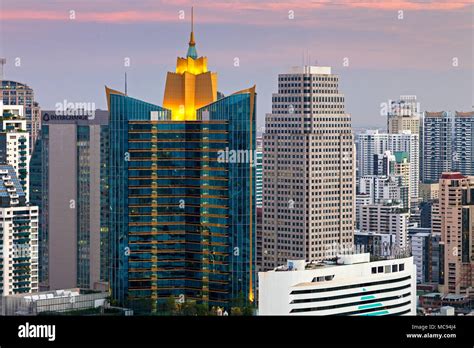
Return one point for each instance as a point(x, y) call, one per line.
point(192, 86)
point(455, 214)
point(308, 169)
point(182, 203)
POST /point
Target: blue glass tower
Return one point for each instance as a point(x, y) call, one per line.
point(182, 201)
point(182, 192)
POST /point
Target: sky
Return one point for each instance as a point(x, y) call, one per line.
point(69, 49)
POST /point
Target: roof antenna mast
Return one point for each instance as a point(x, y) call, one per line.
point(3, 61)
point(126, 83)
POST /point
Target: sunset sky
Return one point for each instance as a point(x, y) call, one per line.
point(392, 47)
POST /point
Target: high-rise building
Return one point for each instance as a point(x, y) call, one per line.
point(67, 183)
point(435, 217)
point(259, 239)
point(429, 192)
point(376, 244)
point(182, 192)
point(259, 172)
point(381, 189)
point(372, 143)
point(437, 145)
point(435, 258)
point(360, 200)
point(308, 168)
point(352, 285)
point(463, 147)
point(456, 214)
point(18, 236)
point(15, 143)
point(404, 115)
point(421, 244)
point(390, 180)
point(426, 208)
point(386, 218)
point(16, 93)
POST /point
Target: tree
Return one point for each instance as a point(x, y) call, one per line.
point(242, 306)
point(236, 311)
point(170, 306)
point(202, 310)
point(189, 308)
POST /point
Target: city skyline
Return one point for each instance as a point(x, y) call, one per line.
point(297, 159)
point(417, 48)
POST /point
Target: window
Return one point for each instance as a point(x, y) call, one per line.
point(380, 269)
point(374, 270)
point(401, 267)
point(394, 268)
point(387, 269)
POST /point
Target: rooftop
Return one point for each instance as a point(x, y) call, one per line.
point(340, 260)
point(453, 176)
point(46, 295)
point(311, 69)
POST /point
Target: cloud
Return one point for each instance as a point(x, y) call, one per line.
point(257, 12)
point(411, 5)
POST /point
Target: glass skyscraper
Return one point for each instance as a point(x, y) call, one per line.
point(182, 192)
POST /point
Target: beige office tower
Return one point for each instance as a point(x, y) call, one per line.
point(456, 214)
point(404, 115)
point(308, 169)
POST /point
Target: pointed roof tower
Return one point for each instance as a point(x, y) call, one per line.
point(192, 44)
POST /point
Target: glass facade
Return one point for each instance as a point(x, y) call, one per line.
point(83, 206)
point(182, 217)
point(238, 111)
point(39, 188)
point(104, 204)
point(123, 109)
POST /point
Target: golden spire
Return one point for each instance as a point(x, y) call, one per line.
point(191, 86)
point(191, 39)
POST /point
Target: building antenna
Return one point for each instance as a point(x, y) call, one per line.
point(3, 61)
point(126, 83)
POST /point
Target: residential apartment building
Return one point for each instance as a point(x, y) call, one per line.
point(17, 93)
point(455, 213)
point(18, 237)
point(437, 145)
point(372, 143)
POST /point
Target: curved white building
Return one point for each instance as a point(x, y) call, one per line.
point(352, 286)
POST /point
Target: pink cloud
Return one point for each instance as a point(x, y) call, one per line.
point(221, 11)
point(114, 17)
point(411, 5)
point(14, 15)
